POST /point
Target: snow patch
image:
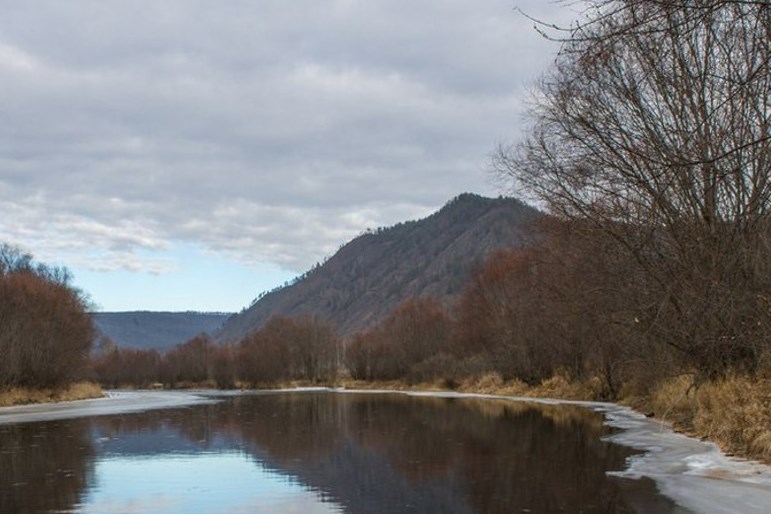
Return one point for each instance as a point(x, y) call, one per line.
point(695, 474)
point(113, 402)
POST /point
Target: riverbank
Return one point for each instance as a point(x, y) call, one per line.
point(24, 396)
point(112, 402)
point(694, 473)
point(734, 413)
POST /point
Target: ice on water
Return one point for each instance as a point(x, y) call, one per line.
point(694, 473)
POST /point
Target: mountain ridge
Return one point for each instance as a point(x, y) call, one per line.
point(374, 272)
point(159, 330)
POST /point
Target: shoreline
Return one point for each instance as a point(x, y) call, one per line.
point(696, 474)
point(113, 402)
point(18, 396)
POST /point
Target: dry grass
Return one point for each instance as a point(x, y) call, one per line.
point(391, 385)
point(555, 387)
point(560, 387)
point(492, 383)
point(735, 412)
point(673, 401)
point(22, 396)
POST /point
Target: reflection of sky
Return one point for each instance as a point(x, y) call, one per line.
point(195, 484)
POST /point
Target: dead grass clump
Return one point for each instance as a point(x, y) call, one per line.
point(79, 391)
point(23, 396)
point(736, 413)
point(560, 386)
point(489, 383)
point(17, 396)
point(674, 401)
point(493, 383)
point(394, 385)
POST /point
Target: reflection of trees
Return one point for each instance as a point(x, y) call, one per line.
point(466, 455)
point(287, 427)
point(293, 426)
point(368, 453)
point(516, 455)
point(44, 467)
point(544, 464)
point(500, 454)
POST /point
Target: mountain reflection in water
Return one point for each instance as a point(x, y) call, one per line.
point(323, 453)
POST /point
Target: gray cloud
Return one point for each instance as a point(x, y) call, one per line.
point(266, 131)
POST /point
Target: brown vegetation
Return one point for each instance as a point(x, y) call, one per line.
point(653, 129)
point(734, 412)
point(46, 332)
point(409, 344)
point(72, 392)
point(286, 349)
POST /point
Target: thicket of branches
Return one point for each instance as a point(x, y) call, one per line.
point(46, 332)
point(555, 308)
point(411, 343)
point(654, 129)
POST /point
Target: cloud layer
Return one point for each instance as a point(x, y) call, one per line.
point(267, 131)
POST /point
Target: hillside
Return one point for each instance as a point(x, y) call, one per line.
point(374, 272)
point(157, 330)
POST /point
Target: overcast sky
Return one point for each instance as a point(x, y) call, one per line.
point(188, 154)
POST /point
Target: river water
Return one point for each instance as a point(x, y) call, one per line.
point(320, 452)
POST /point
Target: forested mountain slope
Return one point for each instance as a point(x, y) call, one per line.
point(376, 271)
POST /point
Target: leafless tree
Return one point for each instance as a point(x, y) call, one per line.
point(654, 125)
point(303, 347)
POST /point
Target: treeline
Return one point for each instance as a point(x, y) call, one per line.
point(572, 305)
point(651, 138)
point(285, 349)
point(565, 306)
point(45, 330)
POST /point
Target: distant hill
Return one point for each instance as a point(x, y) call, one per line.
point(157, 330)
point(369, 276)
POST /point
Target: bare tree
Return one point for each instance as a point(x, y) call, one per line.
point(45, 331)
point(303, 347)
point(654, 125)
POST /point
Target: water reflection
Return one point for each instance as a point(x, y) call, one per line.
point(323, 453)
point(204, 483)
point(44, 467)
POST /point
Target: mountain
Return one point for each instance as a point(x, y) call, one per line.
point(373, 273)
point(157, 330)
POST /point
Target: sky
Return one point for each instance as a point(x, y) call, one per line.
point(190, 154)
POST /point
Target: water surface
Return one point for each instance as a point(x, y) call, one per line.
point(315, 453)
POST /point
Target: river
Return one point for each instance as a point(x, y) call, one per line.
point(321, 452)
